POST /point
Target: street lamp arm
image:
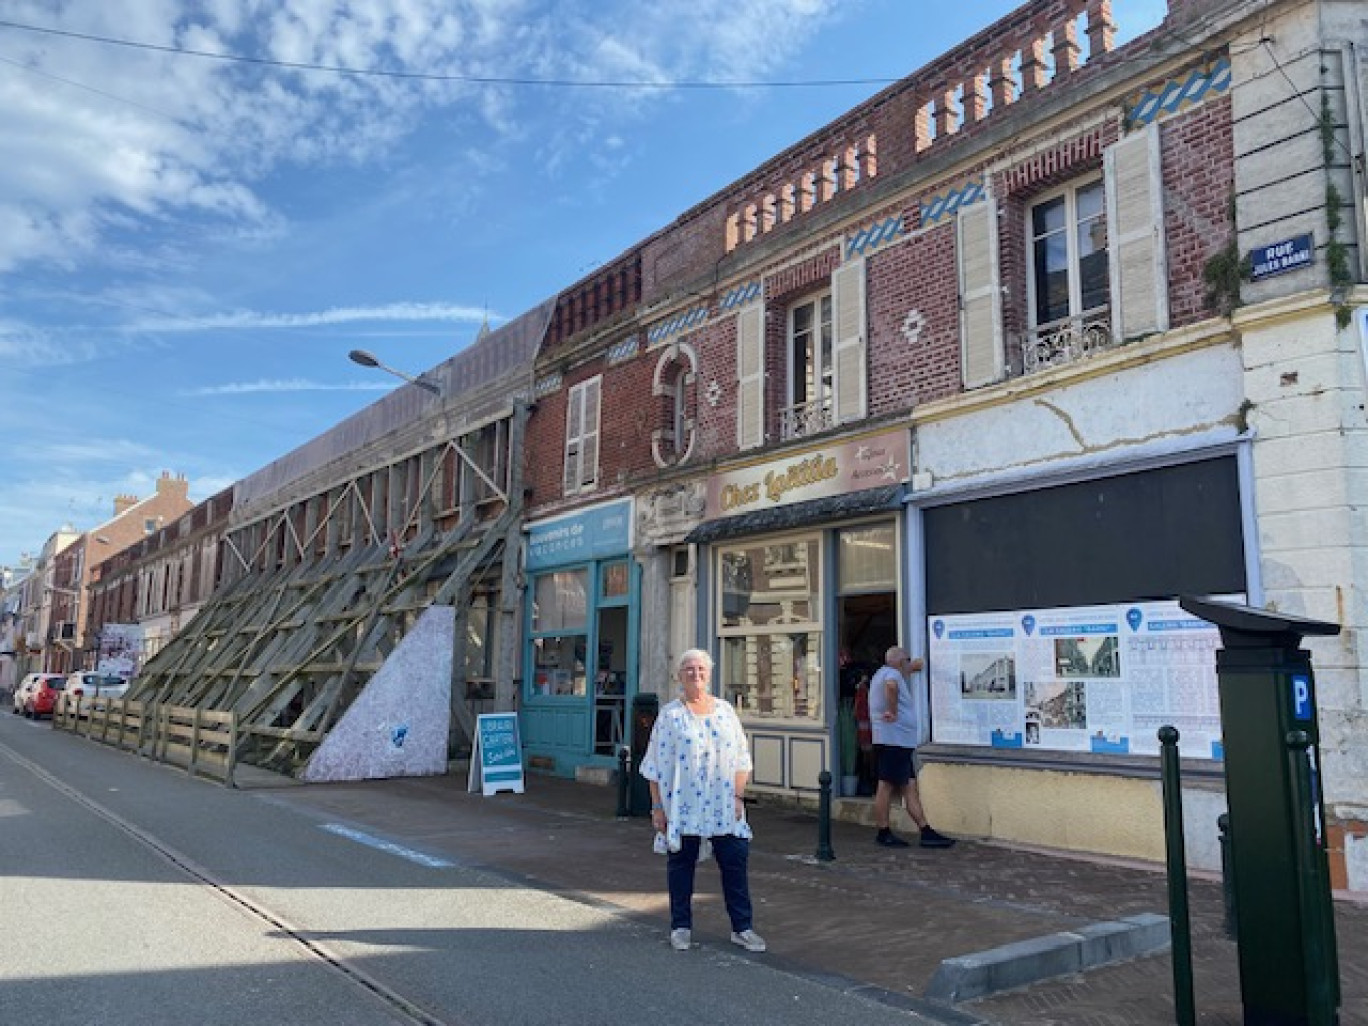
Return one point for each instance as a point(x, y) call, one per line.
point(367, 359)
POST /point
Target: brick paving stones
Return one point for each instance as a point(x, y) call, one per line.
point(875, 918)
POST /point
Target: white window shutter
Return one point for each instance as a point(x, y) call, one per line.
point(750, 376)
point(1136, 251)
point(589, 449)
point(850, 358)
point(574, 426)
point(683, 616)
point(981, 343)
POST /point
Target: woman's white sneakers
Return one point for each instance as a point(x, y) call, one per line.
point(750, 940)
point(682, 940)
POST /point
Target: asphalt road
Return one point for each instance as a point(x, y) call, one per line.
point(131, 893)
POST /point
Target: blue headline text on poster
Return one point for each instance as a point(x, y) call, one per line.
point(1080, 628)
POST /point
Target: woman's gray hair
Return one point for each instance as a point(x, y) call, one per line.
point(693, 653)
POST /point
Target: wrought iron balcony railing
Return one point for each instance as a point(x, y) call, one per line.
point(1067, 341)
point(805, 419)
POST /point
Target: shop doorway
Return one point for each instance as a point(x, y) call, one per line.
point(610, 681)
point(868, 626)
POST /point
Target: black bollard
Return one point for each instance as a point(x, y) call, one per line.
point(1231, 924)
point(824, 852)
point(1180, 926)
point(623, 781)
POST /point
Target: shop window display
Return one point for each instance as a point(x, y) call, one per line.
point(770, 601)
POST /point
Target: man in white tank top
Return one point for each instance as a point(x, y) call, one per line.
point(893, 713)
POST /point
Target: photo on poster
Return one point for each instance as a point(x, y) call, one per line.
point(1057, 705)
point(988, 675)
point(1089, 656)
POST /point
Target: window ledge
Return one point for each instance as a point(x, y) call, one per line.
point(1194, 771)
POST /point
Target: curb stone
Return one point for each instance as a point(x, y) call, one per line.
point(967, 977)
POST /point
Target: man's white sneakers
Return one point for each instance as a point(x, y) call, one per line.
point(681, 940)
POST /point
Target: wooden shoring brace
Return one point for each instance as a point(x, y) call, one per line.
point(227, 654)
point(260, 637)
point(470, 463)
point(460, 707)
point(511, 582)
point(268, 632)
point(377, 600)
point(167, 664)
point(336, 686)
point(455, 583)
point(374, 627)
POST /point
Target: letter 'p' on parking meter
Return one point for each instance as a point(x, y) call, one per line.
point(1289, 967)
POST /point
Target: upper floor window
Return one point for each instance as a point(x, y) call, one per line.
point(675, 375)
point(1069, 271)
point(582, 436)
point(810, 381)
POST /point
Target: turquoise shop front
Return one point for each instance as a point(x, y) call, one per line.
point(581, 630)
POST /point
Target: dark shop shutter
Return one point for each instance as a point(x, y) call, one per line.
point(1153, 534)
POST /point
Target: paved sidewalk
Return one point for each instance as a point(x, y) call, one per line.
point(834, 920)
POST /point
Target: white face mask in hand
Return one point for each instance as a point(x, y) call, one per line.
point(662, 846)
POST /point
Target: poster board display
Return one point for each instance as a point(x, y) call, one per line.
point(1099, 679)
point(496, 762)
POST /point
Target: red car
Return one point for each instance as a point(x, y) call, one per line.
point(37, 695)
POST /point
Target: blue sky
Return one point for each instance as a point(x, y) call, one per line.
point(190, 246)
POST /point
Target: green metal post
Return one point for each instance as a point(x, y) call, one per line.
point(824, 851)
point(1180, 926)
point(624, 782)
point(1321, 959)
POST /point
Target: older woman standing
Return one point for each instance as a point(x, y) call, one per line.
point(698, 764)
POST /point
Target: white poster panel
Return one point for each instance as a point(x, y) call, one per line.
point(1099, 679)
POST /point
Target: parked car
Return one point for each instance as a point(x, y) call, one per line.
point(89, 684)
point(37, 694)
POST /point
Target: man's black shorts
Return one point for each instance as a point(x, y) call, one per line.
point(895, 764)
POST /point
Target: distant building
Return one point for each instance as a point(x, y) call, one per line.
point(66, 646)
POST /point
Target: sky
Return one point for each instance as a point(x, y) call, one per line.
point(205, 204)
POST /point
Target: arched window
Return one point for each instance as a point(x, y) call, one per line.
point(676, 374)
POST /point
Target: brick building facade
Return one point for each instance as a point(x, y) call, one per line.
point(1018, 274)
point(997, 365)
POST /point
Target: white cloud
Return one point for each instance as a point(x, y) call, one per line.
point(100, 136)
point(61, 454)
point(337, 315)
point(290, 385)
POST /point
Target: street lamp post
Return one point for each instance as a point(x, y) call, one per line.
point(366, 359)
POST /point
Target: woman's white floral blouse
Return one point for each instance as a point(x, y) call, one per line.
point(695, 760)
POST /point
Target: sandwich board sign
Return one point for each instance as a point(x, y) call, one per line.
point(496, 762)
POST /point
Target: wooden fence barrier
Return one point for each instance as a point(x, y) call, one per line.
point(202, 742)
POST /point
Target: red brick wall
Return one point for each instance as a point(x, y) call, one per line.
point(716, 346)
point(628, 414)
point(1198, 163)
point(920, 275)
point(544, 447)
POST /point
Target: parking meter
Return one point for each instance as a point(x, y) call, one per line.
point(1289, 967)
